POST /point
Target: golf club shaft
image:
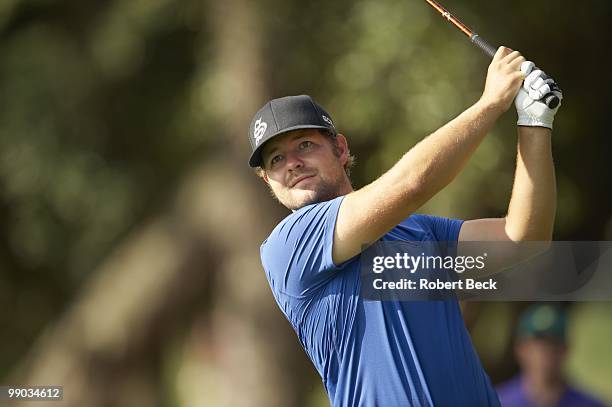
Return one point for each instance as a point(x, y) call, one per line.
point(551, 100)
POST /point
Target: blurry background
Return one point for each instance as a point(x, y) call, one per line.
point(131, 224)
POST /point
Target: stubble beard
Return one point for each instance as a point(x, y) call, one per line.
point(325, 190)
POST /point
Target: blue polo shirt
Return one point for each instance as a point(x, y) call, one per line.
point(371, 353)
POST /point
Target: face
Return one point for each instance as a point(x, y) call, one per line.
point(542, 357)
point(302, 167)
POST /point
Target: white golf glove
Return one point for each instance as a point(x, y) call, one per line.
point(531, 109)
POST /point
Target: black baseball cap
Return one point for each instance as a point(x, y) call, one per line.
point(285, 114)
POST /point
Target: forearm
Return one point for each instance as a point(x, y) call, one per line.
point(531, 212)
point(422, 172)
point(436, 160)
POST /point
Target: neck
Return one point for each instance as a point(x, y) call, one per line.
point(543, 391)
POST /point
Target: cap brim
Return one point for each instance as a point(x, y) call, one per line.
point(255, 159)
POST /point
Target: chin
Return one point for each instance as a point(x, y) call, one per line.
point(296, 198)
point(300, 199)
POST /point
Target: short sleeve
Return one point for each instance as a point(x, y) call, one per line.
point(297, 256)
point(442, 229)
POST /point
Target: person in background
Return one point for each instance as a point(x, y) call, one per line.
point(540, 350)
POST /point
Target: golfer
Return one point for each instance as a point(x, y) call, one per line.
point(392, 353)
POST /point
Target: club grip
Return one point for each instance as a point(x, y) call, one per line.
point(551, 100)
point(489, 49)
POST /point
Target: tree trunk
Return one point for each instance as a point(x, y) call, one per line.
point(185, 297)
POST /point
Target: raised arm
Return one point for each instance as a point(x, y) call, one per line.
point(531, 211)
point(367, 214)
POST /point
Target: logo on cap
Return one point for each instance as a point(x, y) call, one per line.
point(327, 120)
point(259, 130)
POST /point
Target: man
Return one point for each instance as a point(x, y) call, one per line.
point(540, 350)
point(392, 353)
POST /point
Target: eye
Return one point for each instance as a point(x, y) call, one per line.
point(275, 159)
point(305, 144)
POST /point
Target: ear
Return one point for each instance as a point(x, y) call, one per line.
point(265, 177)
point(343, 148)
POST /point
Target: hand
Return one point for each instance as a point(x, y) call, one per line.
point(531, 109)
point(504, 79)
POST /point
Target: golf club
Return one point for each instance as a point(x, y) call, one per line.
point(551, 99)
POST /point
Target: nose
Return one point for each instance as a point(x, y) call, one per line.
point(293, 161)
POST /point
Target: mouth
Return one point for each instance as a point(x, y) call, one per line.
point(300, 179)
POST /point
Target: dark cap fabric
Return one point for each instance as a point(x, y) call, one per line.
point(285, 114)
point(543, 320)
